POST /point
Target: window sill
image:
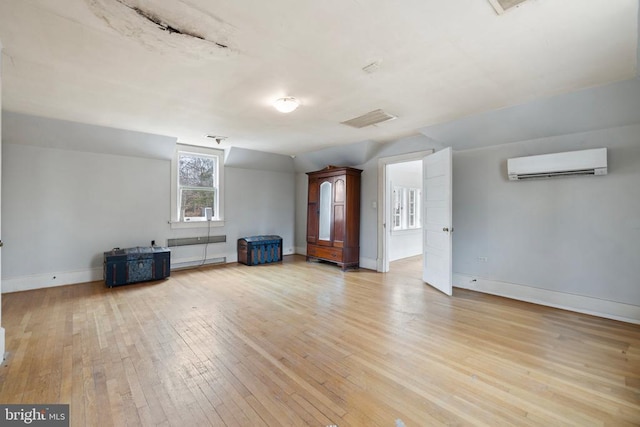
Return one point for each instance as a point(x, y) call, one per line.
point(416, 230)
point(196, 224)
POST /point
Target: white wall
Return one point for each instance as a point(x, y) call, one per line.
point(302, 188)
point(1, 328)
point(577, 236)
point(62, 208)
point(259, 202)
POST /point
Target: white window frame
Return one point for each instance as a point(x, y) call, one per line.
point(402, 217)
point(397, 209)
point(413, 210)
point(216, 221)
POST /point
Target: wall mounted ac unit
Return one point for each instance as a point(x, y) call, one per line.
point(583, 162)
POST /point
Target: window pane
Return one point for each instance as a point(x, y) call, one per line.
point(324, 231)
point(194, 202)
point(412, 208)
point(196, 171)
point(396, 212)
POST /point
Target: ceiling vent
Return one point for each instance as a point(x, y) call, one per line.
point(502, 5)
point(371, 118)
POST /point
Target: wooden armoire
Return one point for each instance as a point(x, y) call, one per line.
point(333, 216)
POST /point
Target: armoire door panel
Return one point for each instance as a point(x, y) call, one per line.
point(339, 223)
point(312, 211)
point(340, 191)
point(312, 223)
point(313, 191)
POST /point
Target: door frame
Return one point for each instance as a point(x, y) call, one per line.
point(384, 203)
point(2, 335)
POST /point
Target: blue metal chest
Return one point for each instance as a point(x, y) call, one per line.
point(131, 265)
point(256, 250)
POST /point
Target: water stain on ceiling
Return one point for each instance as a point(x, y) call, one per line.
point(170, 27)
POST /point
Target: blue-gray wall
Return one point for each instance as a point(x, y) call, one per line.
point(575, 235)
point(71, 191)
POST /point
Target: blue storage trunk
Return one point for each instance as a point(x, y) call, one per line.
point(140, 264)
point(256, 250)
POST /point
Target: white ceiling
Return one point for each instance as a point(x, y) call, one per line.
point(101, 62)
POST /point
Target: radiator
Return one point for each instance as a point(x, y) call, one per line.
point(202, 240)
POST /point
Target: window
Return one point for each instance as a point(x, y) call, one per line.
point(197, 184)
point(405, 208)
point(397, 207)
point(413, 211)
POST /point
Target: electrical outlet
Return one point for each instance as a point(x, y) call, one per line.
point(483, 259)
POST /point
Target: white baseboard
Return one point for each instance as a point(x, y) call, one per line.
point(368, 263)
point(196, 261)
point(301, 250)
point(2, 349)
point(578, 303)
point(49, 280)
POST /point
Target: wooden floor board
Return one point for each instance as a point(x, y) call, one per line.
point(300, 343)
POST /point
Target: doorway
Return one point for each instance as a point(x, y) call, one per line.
point(399, 216)
point(405, 242)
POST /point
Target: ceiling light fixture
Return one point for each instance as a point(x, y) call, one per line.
point(286, 104)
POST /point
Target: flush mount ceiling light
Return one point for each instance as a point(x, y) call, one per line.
point(286, 104)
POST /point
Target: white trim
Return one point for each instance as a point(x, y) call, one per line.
point(2, 355)
point(173, 214)
point(578, 303)
point(196, 224)
point(49, 280)
point(285, 251)
point(1, 328)
point(196, 262)
point(382, 262)
point(368, 263)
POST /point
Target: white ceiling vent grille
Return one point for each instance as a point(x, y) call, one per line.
point(502, 5)
point(371, 118)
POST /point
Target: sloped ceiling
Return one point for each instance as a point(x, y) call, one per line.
point(188, 68)
point(612, 105)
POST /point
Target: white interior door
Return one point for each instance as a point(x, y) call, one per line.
point(1, 329)
point(437, 220)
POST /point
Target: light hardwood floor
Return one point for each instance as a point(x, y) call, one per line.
point(306, 344)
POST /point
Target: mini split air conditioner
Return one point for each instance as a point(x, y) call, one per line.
point(584, 162)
